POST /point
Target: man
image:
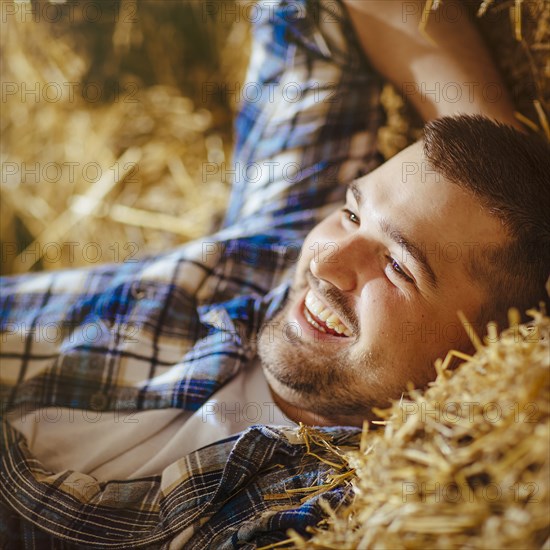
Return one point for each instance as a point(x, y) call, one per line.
point(111, 424)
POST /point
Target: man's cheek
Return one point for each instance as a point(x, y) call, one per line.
point(385, 320)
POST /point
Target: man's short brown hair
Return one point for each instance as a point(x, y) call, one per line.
point(509, 173)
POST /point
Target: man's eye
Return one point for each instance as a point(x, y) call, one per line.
point(398, 270)
point(353, 218)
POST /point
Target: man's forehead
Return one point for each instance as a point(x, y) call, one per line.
point(409, 166)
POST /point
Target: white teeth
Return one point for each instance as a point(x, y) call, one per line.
point(325, 314)
point(333, 321)
point(317, 307)
point(310, 299)
point(312, 321)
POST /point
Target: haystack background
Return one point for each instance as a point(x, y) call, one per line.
point(148, 97)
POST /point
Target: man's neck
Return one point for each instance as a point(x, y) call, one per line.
point(311, 418)
point(297, 414)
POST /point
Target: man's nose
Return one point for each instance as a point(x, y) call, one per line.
point(347, 264)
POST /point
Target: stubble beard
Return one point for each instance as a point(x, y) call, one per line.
point(329, 381)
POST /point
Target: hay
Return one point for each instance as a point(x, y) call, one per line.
point(112, 146)
point(463, 465)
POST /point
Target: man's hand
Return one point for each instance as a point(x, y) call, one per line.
point(443, 71)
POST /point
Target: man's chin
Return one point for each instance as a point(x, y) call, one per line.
point(318, 384)
point(307, 408)
point(283, 383)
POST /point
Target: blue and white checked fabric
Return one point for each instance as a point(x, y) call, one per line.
point(170, 329)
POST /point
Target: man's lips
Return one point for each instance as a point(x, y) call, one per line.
point(307, 331)
point(322, 317)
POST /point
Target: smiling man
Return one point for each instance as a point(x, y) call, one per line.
point(409, 249)
point(125, 386)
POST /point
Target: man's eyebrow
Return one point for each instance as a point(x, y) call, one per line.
point(410, 247)
point(356, 191)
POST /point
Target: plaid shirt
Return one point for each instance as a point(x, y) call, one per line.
point(170, 329)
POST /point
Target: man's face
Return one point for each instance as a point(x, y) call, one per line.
point(376, 291)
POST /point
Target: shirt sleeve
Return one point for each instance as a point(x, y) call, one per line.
point(310, 113)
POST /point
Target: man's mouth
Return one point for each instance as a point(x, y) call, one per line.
point(321, 317)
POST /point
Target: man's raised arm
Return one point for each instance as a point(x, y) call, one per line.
point(449, 72)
